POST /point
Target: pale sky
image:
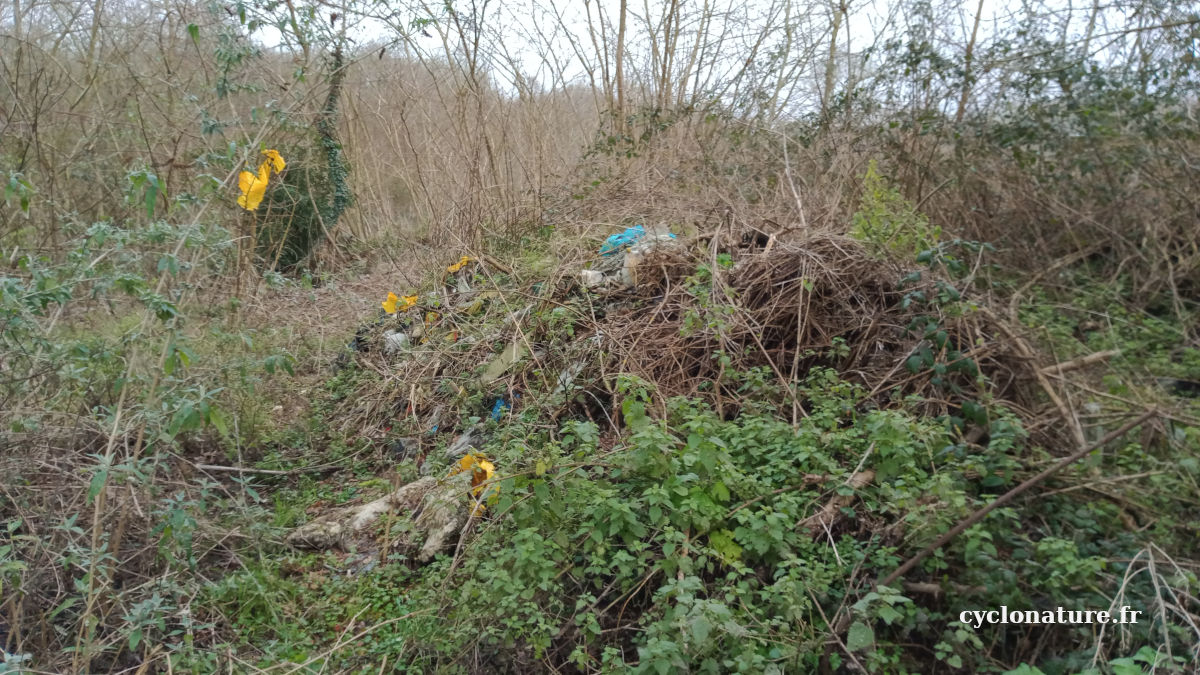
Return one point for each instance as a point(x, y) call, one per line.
point(533, 33)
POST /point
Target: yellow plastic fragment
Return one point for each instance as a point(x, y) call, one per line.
point(254, 186)
point(389, 305)
point(481, 470)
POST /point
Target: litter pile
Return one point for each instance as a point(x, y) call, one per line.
point(700, 317)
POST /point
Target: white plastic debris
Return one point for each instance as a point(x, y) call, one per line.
point(394, 341)
point(621, 271)
point(591, 278)
point(567, 377)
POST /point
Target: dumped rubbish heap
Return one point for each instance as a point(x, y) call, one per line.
point(681, 314)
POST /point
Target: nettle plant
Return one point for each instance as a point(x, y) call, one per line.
point(108, 272)
point(679, 547)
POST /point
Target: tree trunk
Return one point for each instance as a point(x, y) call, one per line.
point(839, 13)
point(968, 76)
point(620, 58)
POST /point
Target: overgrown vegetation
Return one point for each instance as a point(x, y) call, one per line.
point(906, 274)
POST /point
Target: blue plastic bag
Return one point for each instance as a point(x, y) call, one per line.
point(499, 408)
point(618, 241)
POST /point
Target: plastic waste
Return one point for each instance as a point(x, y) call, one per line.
point(567, 376)
point(502, 405)
point(464, 444)
point(499, 408)
point(515, 351)
point(591, 278)
point(618, 241)
point(394, 341)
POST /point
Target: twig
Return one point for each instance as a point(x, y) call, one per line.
point(1026, 352)
point(1081, 362)
point(787, 172)
point(836, 632)
point(497, 264)
point(354, 638)
point(1092, 484)
point(809, 479)
point(937, 591)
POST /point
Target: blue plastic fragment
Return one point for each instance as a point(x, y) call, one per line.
point(618, 241)
point(499, 408)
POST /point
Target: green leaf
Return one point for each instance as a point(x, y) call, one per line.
point(860, 636)
point(723, 543)
point(889, 615)
point(168, 263)
point(98, 480)
point(194, 31)
point(61, 607)
point(1125, 667)
point(720, 492)
point(170, 362)
point(151, 195)
point(216, 419)
point(975, 412)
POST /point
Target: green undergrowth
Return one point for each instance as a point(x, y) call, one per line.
point(686, 539)
point(682, 545)
point(1098, 316)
